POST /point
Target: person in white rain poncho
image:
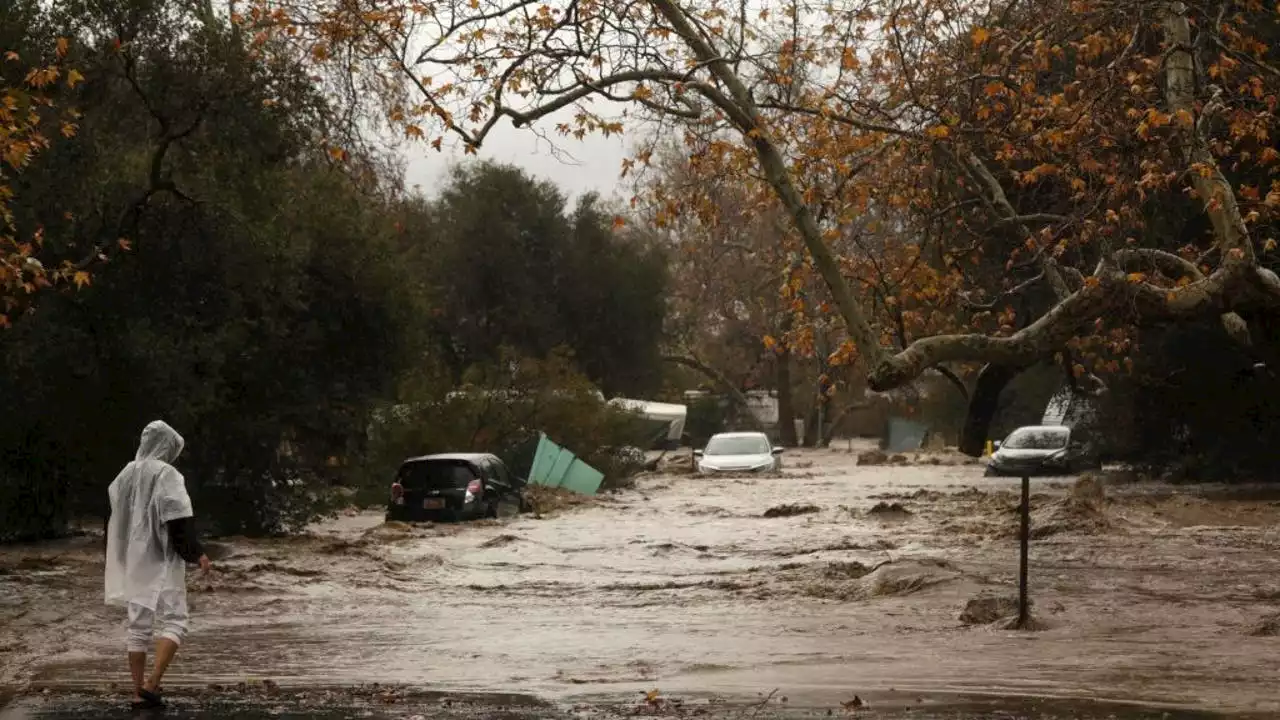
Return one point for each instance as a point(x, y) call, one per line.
point(150, 538)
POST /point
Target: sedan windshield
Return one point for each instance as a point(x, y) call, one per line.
point(1037, 439)
point(738, 446)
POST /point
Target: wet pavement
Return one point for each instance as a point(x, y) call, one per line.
point(339, 705)
point(1154, 594)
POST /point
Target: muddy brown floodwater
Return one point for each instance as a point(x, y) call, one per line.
point(855, 583)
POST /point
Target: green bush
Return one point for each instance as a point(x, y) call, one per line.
point(501, 409)
point(707, 416)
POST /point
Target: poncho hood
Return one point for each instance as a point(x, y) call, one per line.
point(160, 442)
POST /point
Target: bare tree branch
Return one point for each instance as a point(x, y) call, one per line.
point(739, 397)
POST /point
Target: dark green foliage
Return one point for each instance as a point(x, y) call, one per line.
point(257, 311)
point(708, 415)
point(501, 408)
point(271, 300)
point(1204, 410)
point(512, 267)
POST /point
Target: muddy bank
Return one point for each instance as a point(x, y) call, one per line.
point(858, 581)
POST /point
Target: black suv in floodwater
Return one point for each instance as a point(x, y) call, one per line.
point(459, 486)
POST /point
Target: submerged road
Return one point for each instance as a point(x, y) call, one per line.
point(683, 585)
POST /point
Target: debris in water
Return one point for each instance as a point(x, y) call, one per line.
point(677, 464)
point(546, 500)
point(853, 704)
point(500, 541)
point(872, 457)
point(986, 609)
point(884, 508)
point(791, 510)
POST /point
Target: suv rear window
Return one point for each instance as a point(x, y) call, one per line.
point(436, 474)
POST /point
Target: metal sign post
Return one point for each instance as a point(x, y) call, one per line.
point(1024, 538)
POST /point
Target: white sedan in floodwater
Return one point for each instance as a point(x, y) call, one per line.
point(739, 452)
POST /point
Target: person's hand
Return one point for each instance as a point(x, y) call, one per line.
point(205, 563)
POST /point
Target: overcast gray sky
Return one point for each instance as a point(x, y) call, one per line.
point(579, 167)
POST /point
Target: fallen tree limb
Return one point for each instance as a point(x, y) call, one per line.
point(720, 379)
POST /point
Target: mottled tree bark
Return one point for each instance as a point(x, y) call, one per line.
point(786, 400)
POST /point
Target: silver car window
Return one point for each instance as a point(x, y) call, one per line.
point(1037, 439)
point(738, 446)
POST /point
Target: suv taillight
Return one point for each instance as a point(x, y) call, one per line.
point(397, 493)
point(475, 488)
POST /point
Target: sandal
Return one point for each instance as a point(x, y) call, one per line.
point(150, 700)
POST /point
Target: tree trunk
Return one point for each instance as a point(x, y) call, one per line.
point(983, 404)
point(786, 401)
point(741, 109)
point(811, 437)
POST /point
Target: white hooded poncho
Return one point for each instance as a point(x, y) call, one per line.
point(148, 492)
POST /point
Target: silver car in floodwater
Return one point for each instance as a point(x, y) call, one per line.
point(739, 452)
point(1042, 450)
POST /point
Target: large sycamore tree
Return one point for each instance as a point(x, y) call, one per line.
point(1113, 156)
